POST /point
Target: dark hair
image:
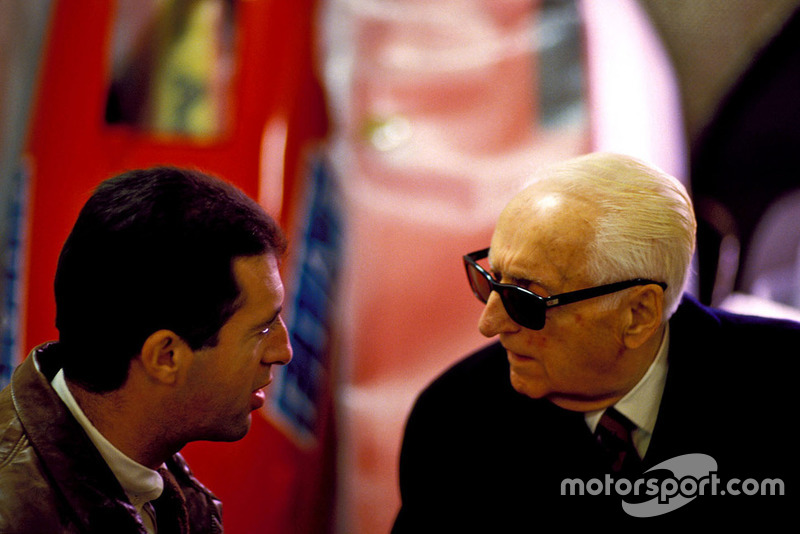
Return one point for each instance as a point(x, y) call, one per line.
point(152, 249)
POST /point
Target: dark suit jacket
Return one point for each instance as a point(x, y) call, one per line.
point(478, 456)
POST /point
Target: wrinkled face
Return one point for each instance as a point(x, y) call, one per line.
point(227, 381)
point(577, 360)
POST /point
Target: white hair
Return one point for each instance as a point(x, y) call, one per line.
point(645, 225)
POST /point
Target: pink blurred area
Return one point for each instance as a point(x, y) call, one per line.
point(435, 124)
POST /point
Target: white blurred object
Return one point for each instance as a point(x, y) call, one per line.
point(754, 305)
point(771, 268)
point(634, 96)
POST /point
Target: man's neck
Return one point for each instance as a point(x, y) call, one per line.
point(643, 356)
point(125, 426)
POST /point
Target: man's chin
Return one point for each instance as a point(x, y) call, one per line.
point(579, 403)
point(243, 429)
point(534, 389)
point(230, 432)
point(537, 389)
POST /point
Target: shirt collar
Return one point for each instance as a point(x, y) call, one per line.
point(141, 484)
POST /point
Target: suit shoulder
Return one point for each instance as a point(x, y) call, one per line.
point(475, 388)
point(485, 368)
point(729, 328)
point(733, 352)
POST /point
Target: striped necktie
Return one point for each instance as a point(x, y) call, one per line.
point(613, 434)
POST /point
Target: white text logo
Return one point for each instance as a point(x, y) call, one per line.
point(693, 475)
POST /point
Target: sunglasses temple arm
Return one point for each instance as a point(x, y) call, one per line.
point(584, 294)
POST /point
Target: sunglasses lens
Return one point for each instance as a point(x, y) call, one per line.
point(523, 309)
point(479, 283)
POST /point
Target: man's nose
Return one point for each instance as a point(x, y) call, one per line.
point(494, 319)
point(281, 351)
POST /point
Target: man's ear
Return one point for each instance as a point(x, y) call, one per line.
point(164, 355)
point(645, 307)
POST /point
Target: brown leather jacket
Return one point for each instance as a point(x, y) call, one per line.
point(53, 479)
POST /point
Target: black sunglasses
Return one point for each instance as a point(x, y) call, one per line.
point(525, 307)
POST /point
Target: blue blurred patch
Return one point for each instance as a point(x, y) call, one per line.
point(10, 267)
point(298, 387)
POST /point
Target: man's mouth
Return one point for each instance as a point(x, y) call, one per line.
point(257, 399)
point(515, 357)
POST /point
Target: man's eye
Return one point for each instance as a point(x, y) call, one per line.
point(266, 330)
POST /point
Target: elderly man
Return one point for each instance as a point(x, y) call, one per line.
point(610, 395)
point(168, 302)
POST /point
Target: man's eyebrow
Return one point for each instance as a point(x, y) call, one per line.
point(522, 282)
point(525, 282)
point(268, 322)
point(518, 280)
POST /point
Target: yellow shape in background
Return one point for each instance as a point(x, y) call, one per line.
point(186, 96)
